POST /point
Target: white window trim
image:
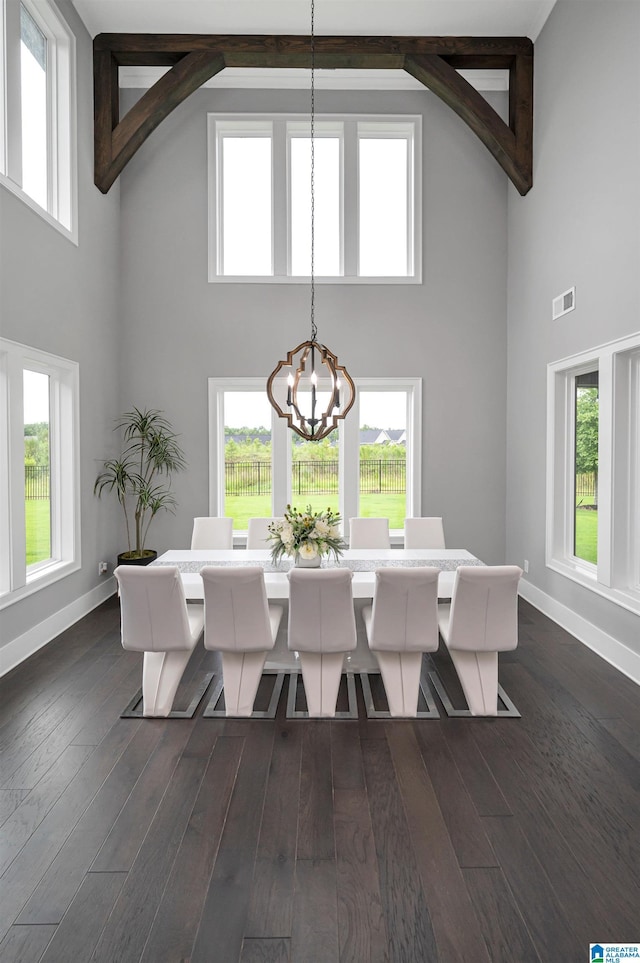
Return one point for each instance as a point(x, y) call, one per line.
point(349, 194)
point(348, 445)
point(62, 212)
point(15, 581)
point(617, 574)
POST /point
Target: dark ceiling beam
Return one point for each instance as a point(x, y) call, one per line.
point(195, 58)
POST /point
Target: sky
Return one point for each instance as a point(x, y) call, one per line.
point(379, 409)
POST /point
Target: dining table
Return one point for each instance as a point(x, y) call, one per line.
point(362, 562)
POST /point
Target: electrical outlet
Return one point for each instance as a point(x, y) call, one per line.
point(103, 568)
point(526, 566)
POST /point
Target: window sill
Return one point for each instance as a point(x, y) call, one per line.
point(282, 279)
point(39, 580)
point(626, 598)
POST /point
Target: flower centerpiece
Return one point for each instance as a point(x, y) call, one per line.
point(306, 536)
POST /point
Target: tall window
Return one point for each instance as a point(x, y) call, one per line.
point(367, 198)
point(593, 470)
point(39, 495)
point(258, 466)
point(37, 110)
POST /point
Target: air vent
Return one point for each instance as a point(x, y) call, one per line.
point(564, 303)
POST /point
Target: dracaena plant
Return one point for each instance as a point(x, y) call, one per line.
point(140, 477)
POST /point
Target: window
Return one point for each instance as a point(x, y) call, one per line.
point(367, 198)
point(37, 108)
point(593, 470)
point(39, 503)
point(258, 466)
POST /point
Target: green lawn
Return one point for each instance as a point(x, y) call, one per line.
point(38, 529)
point(243, 507)
point(587, 535)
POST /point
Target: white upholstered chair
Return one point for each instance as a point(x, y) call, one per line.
point(212, 531)
point(481, 621)
point(156, 620)
point(322, 628)
point(369, 533)
point(424, 533)
point(401, 624)
point(258, 532)
point(242, 625)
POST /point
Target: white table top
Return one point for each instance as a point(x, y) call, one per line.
point(363, 563)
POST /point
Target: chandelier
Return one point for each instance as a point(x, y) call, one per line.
point(310, 388)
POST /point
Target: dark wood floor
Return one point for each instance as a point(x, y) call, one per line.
point(436, 841)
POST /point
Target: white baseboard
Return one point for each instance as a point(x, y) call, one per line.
point(615, 652)
point(25, 645)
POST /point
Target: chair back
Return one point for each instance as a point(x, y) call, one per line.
point(258, 532)
point(369, 533)
point(212, 532)
point(321, 616)
point(236, 611)
point(153, 609)
point(405, 610)
point(424, 532)
point(484, 608)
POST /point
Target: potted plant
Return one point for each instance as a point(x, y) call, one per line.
point(141, 477)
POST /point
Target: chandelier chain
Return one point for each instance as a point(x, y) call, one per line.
point(314, 329)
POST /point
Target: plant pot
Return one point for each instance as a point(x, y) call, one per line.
point(128, 558)
point(307, 562)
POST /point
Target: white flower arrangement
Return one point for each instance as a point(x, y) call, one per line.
point(308, 534)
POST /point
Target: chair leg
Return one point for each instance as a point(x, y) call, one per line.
point(241, 673)
point(161, 675)
point(401, 677)
point(321, 673)
point(478, 674)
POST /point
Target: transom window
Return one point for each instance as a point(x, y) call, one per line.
point(366, 193)
point(37, 110)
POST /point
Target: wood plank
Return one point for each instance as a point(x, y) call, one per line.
point(582, 777)
point(77, 934)
point(504, 930)
point(122, 844)
point(361, 930)
point(346, 757)
point(406, 916)
point(25, 944)
point(316, 838)
point(315, 918)
point(176, 924)
point(568, 844)
point(455, 927)
point(271, 905)
point(54, 893)
point(33, 809)
point(546, 922)
point(464, 825)
point(225, 909)
point(265, 951)
point(10, 799)
point(484, 791)
point(130, 922)
point(25, 872)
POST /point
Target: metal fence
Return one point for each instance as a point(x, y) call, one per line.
point(586, 486)
point(36, 481)
point(314, 477)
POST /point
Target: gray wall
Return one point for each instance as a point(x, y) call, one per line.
point(179, 329)
point(578, 225)
point(65, 300)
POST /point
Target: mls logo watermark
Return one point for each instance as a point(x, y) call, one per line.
point(613, 952)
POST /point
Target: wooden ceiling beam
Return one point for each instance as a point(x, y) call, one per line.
point(195, 58)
